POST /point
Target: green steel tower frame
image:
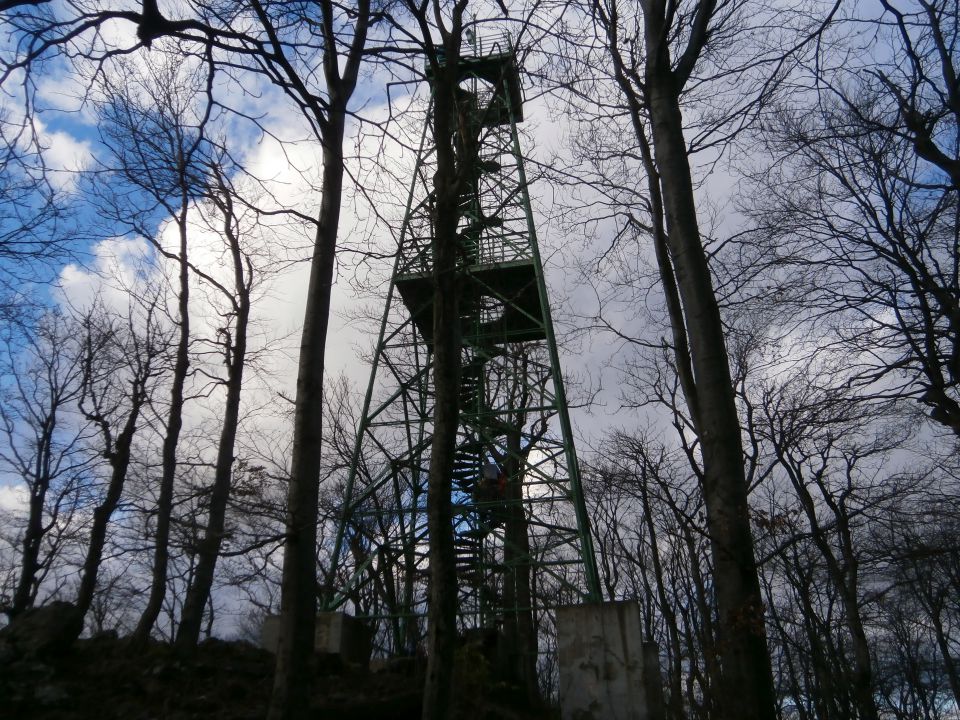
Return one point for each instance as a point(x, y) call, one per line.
point(520, 521)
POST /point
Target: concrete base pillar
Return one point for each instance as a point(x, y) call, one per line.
point(335, 634)
point(606, 669)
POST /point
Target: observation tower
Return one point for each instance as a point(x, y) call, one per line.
point(521, 531)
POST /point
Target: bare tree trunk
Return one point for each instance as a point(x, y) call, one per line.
point(33, 535)
point(442, 615)
point(298, 608)
point(290, 697)
point(198, 594)
point(949, 663)
point(191, 619)
point(674, 707)
point(844, 576)
point(37, 446)
point(119, 462)
point(117, 451)
point(699, 345)
point(747, 675)
point(161, 553)
point(519, 632)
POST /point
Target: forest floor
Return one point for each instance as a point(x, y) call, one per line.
point(104, 679)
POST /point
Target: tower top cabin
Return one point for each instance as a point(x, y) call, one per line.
point(488, 70)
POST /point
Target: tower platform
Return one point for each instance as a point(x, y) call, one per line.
point(510, 285)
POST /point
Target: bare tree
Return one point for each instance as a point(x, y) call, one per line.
point(152, 123)
point(121, 360)
point(821, 441)
point(858, 231)
point(280, 42)
point(921, 84)
point(655, 552)
point(654, 55)
point(46, 444)
point(338, 31)
point(224, 201)
point(33, 212)
point(449, 180)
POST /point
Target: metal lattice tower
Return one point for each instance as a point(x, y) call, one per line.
point(521, 531)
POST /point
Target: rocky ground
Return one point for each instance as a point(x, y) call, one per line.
point(103, 678)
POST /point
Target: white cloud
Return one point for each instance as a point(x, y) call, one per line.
point(14, 500)
point(65, 156)
point(62, 91)
point(118, 266)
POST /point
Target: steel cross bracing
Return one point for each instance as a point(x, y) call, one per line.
point(521, 531)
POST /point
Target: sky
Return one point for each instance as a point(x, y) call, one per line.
point(73, 147)
point(286, 162)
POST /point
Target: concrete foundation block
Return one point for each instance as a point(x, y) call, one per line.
point(335, 634)
point(607, 671)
